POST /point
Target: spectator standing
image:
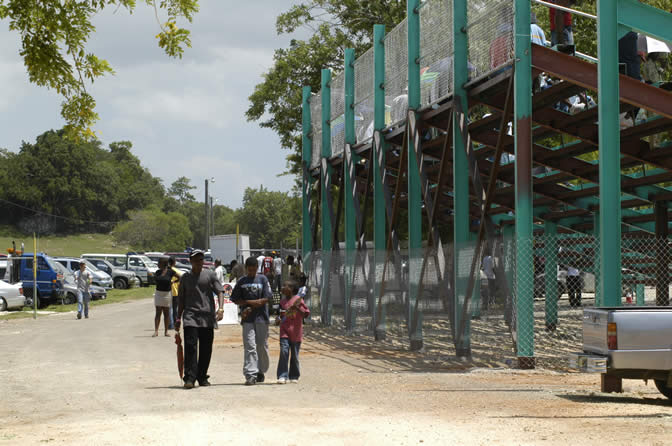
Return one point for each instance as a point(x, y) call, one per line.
point(163, 296)
point(267, 269)
point(260, 261)
point(561, 24)
point(292, 312)
point(220, 271)
point(197, 310)
point(489, 271)
point(237, 271)
point(536, 33)
point(252, 294)
point(574, 286)
point(83, 279)
point(277, 273)
point(174, 288)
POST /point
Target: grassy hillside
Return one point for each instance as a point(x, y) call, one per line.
point(72, 245)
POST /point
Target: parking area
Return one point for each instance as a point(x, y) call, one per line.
point(105, 380)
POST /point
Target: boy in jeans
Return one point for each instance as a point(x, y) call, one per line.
point(292, 312)
point(251, 294)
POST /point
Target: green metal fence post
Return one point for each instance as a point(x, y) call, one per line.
point(461, 271)
point(610, 152)
point(523, 135)
point(350, 218)
point(413, 176)
point(551, 274)
point(306, 158)
point(379, 217)
point(597, 267)
point(327, 210)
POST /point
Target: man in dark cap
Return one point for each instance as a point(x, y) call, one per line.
point(196, 309)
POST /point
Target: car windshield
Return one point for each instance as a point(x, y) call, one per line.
point(91, 266)
point(68, 277)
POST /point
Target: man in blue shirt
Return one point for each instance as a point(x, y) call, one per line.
point(252, 294)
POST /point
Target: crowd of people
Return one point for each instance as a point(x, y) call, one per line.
point(194, 301)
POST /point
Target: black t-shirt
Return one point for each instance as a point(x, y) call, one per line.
point(253, 289)
point(196, 297)
point(163, 280)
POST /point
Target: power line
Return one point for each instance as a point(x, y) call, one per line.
point(60, 217)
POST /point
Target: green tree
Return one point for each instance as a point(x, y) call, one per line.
point(152, 229)
point(336, 24)
point(54, 37)
point(181, 190)
point(269, 218)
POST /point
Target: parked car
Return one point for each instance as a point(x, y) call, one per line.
point(121, 278)
point(11, 296)
point(20, 269)
point(141, 265)
point(69, 287)
point(100, 278)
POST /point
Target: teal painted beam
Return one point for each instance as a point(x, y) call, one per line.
point(413, 175)
point(645, 19)
point(349, 193)
point(327, 210)
point(596, 261)
point(550, 274)
point(609, 154)
point(306, 158)
point(461, 222)
point(524, 285)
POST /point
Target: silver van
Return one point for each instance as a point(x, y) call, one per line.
point(100, 278)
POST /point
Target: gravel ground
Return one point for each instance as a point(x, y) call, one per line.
point(106, 381)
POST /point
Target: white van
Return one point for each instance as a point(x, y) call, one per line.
point(141, 265)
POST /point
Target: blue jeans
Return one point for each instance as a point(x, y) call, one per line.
point(83, 298)
point(567, 33)
point(285, 348)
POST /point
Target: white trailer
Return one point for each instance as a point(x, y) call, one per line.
point(224, 247)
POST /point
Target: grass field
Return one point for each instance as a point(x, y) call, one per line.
point(113, 296)
point(71, 245)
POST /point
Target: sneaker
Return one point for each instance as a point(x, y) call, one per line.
point(250, 380)
point(188, 384)
point(79, 315)
point(294, 381)
point(260, 377)
point(204, 383)
point(86, 317)
point(282, 380)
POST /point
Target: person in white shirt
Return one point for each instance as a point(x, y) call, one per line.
point(83, 279)
point(260, 261)
point(574, 286)
point(488, 268)
point(277, 272)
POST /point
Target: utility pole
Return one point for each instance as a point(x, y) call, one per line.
point(207, 215)
point(212, 215)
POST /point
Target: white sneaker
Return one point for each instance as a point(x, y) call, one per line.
point(294, 381)
point(282, 380)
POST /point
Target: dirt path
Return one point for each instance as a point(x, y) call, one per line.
point(106, 381)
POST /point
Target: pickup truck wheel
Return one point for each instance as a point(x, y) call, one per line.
point(664, 388)
point(120, 284)
point(3, 304)
point(70, 299)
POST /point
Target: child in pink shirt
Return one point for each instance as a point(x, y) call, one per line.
point(292, 311)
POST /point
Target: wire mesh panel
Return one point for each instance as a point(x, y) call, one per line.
point(338, 114)
point(436, 50)
point(316, 128)
point(490, 35)
point(396, 74)
point(364, 106)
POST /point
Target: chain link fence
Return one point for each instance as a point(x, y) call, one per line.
point(338, 114)
point(436, 50)
point(364, 104)
point(316, 129)
point(396, 74)
point(490, 35)
point(370, 293)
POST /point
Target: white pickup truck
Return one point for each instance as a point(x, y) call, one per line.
point(627, 343)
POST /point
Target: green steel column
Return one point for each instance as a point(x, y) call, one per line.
point(379, 213)
point(610, 152)
point(597, 267)
point(523, 135)
point(413, 176)
point(327, 230)
point(460, 172)
point(639, 291)
point(350, 218)
point(306, 158)
point(551, 274)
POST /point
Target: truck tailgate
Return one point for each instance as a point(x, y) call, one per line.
point(595, 330)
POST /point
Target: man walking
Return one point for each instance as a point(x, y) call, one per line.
point(277, 273)
point(252, 294)
point(197, 309)
point(488, 268)
point(83, 279)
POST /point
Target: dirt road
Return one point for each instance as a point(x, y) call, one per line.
point(106, 381)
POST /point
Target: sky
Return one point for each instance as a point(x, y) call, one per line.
point(184, 117)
